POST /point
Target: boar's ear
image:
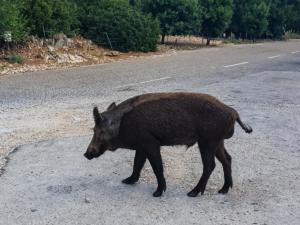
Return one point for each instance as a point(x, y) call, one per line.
point(97, 116)
point(111, 106)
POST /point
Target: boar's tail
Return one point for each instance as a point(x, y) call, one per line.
point(245, 127)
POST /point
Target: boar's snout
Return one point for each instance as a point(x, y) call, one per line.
point(88, 155)
point(92, 153)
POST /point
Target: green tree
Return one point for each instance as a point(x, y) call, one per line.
point(136, 3)
point(64, 17)
point(217, 16)
point(293, 15)
point(116, 22)
point(250, 18)
point(277, 18)
point(12, 20)
point(46, 17)
point(175, 16)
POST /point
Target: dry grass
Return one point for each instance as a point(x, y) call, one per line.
point(38, 56)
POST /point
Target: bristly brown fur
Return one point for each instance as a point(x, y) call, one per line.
point(146, 122)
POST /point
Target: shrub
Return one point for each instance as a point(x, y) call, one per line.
point(46, 17)
point(12, 20)
point(15, 59)
point(115, 22)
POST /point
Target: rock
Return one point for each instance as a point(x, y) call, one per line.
point(50, 57)
point(61, 40)
point(59, 36)
point(86, 200)
point(70, 43)
point(4, 71)
point(50, 48)
point(112, 53)
point(32, 38)
point(69, 58)
point(60, 43)
point(62, 58)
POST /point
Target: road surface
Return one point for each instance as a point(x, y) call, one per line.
point(50, 182)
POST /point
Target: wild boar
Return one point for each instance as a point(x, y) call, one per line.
point(145, 123)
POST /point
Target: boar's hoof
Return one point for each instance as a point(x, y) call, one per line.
point(225, 189)
point(159, 191)
point(193, 193)
point(130, 180)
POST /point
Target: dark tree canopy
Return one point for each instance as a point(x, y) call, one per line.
point(46, 17)
point(277, 18)
point(250, 18)
point(136, 24)
point(175, 16)
point(216, 17)
point(293, 15)
point(115, 23)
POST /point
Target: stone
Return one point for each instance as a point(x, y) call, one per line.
point(60, 43)
point(59, 36)
point(50, 48)
point(112, 53)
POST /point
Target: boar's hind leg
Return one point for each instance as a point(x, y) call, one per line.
point(208, 159)
point(223, 156)
point(139, 161)
point(154, 157)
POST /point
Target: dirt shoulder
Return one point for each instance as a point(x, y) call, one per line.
point(47, 54)
point(62, 52)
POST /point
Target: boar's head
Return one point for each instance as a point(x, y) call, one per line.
point(105, 130)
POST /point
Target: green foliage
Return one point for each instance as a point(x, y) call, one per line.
point(12, 20)
point(216, 17)
point(175, 16)
point(250, 18)
point(15, 59)
point(293, 15)
point(277, 18)
point(46, 17)
point(136, 3)
point(127, 28)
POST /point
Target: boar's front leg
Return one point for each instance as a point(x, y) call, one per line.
point(155, 160)
point(139, 161)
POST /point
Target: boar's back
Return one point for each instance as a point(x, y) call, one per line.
point(177, 118)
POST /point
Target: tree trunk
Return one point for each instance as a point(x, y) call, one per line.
point(163, 38)
point(208, 41)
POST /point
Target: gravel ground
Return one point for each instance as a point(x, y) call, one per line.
point(49, 182)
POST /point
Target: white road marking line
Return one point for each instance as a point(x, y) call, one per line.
point(148, 81)
point(295, 52)
point(237, 64)
point(127, 85)
point(142, 82)
point(274, 56)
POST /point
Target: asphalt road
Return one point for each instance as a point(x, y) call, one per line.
point(186, 70)
point(50, 182)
